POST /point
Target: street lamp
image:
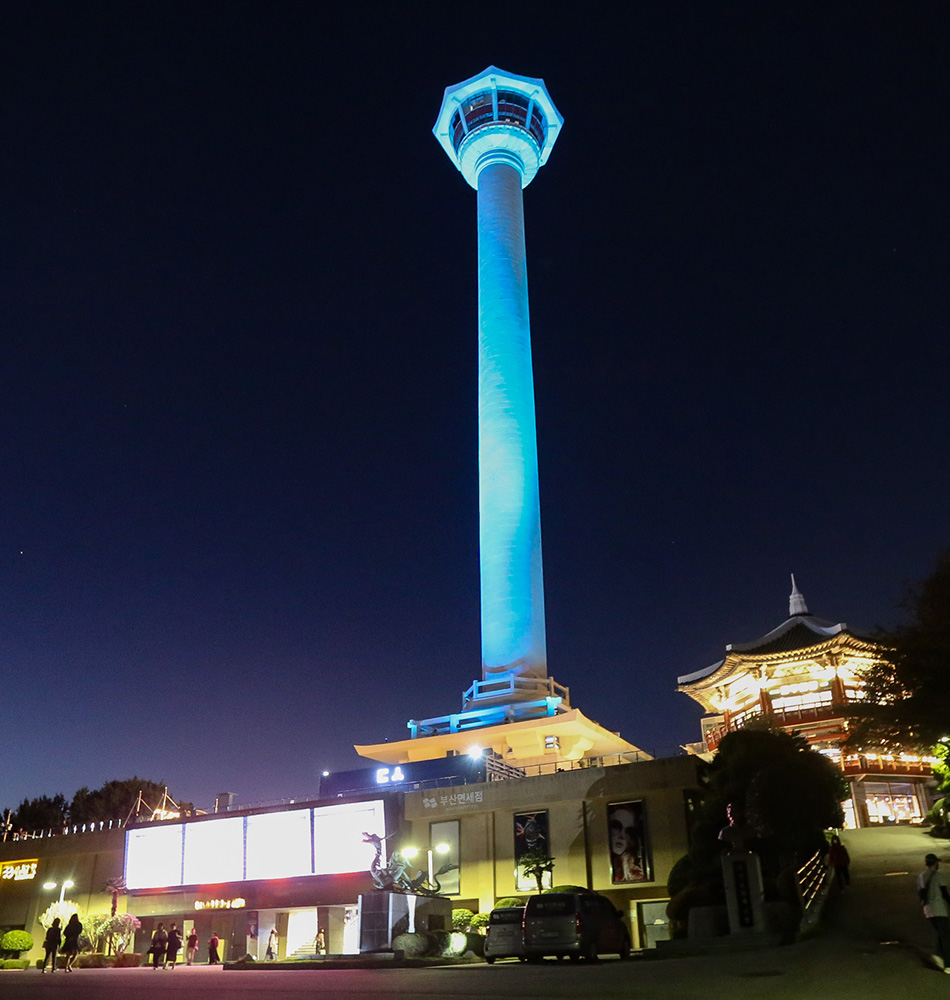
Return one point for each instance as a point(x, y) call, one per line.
point(68, 884)
point(411, 852)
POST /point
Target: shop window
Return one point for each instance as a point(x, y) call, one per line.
point(447, 833)
point(891, 802)
point(653, 923)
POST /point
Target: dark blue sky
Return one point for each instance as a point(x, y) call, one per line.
point(238, 529)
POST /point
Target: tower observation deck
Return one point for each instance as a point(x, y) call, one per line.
point(499, 129)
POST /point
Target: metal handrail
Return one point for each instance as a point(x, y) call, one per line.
point(811, 878)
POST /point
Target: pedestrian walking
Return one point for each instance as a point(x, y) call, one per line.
point(191, 946)
point(172, 947)
point(840, 860)
point(213, 949)
point(272, 943)
point(71, 933)
point(54, 938)
point(159, 941)
point(934, 896)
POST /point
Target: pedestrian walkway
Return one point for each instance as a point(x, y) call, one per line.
point(877, 922)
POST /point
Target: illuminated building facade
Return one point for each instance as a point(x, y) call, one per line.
point(801, 676)
point(303, 866)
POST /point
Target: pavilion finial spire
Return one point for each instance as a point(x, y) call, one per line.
point(796, 602)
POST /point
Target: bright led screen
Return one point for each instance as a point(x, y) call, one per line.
point(214, 851)
point(338, 836)
point(278, 844)
point(153, 857)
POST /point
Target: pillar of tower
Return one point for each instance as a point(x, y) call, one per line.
point(498, 129)
point(512, 589)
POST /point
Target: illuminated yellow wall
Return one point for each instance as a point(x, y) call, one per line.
point(576, 803)
point(88, 860)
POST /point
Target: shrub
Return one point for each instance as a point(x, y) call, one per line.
point(128, 960)
point(95, 960)
point(15, 963)
point(16, 941)
point(462, 919)
point(479, 922)
point(509, 901)
point(441, 943)
point(475, 943)
point(412, 945)
point(456, 945)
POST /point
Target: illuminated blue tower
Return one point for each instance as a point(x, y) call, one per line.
point(499, 129)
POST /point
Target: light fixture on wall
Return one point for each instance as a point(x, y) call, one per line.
point(68, 884)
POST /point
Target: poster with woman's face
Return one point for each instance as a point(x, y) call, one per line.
point(627, 841)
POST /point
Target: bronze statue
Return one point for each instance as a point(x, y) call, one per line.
point(736, 835)
point(394, 877)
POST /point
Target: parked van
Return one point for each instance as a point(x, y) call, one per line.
point(505, 933)
point(573, 924)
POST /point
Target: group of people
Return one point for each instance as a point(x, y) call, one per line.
point(166, 945)
point(61, 938)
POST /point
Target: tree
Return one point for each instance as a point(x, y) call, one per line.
point(64, 910)
point(43, 813)
point(907, 698)
point(120, 931)
point(788, 795)
point(117, 887)
point(94, 929)
point(115, 800)
point(536, 864)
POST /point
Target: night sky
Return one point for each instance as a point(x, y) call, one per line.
point(238, 528)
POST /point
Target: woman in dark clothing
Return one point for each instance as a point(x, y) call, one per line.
point(71, 934)
point(54, 938)
point(159, 940)
point(174, 944)
point(840, 860)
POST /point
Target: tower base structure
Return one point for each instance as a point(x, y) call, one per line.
point(548, 742)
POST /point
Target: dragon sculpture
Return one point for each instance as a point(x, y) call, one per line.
point(395, 877)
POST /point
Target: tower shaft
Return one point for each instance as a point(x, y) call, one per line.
point(512, 589)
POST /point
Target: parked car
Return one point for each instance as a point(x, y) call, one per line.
point(573, 924)
point(505, 933)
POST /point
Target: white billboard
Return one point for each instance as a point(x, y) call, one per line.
point(153, 856)
point(338, 845)
point(252, 848)
point(278, 845)
point(214, 851)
